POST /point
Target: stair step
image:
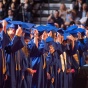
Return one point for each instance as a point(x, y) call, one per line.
point(41, 19)
point(42, 15)
point(53, 5)
point(54, 1)
point(45, 11)
point(42, 23)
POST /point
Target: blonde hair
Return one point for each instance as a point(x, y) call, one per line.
point(25, 51)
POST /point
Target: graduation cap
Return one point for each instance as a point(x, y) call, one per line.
point(11, 26)
point(8, 19)
point(61, 31)
point(51, 28)
point(40, 29)
point(71, 28)
point(75, 32)
point(66, 35)
point(29, 25)
point(81, 30)
point(49, 40)
point(27, 34)
point(22, 24)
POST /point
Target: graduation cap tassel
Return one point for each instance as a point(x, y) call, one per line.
point(4, 62)
point(44, 65)
point(64, 55)
point(62, 62)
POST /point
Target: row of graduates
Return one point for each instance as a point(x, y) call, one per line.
point(40, 58)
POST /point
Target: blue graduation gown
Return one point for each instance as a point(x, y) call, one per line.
point(36, 62)
point(27, 82)
point(4, 40)
point(52, 69)
point(82, 47)
point(11, 48)
point(64, 75)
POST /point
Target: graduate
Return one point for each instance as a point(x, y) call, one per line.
point(15, 44)
point(59, 40)
point(45, 53)
point(27, 72)
point(52, 64)
point(36, 51)
point(3, 43)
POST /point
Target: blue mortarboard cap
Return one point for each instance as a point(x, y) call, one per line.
point(1, 25)
point(74, 32)
point(81, 30)
point(26, 31)
point(28, 25)
point(66, 35)
point(7, 19)
point(22, 24)
point(12, 26)
point(49, 40)
point(52, 28)
point(27, 34)
point(61, 31)
point(71, 28)
point(41, 29)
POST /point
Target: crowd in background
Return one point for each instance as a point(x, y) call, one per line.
point(23, 10)
point(64, 16)
point(16, 9)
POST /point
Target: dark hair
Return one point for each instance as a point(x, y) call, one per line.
point(86, 58)
point(72, 22)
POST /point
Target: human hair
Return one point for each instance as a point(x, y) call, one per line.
point(86, 58)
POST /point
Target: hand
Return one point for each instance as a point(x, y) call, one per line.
point(22, 77)
point(72, 70)
point(52, 80)
point(36, 41)
point(56, 24)
point(4, 24)
point(68, 71)
point(19, 31)
point(79, 35)
point(48, 76)
point(44, 36)
point(5, 77)
point(35, 33)
point(31, 71)
point(59, 38)
point(59, 70)
point(71, 38)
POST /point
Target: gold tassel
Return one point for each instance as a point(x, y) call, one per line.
point(44, 65)
point(64, 55)
point(3, 62)
point(18, 63)
point(62, 62)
